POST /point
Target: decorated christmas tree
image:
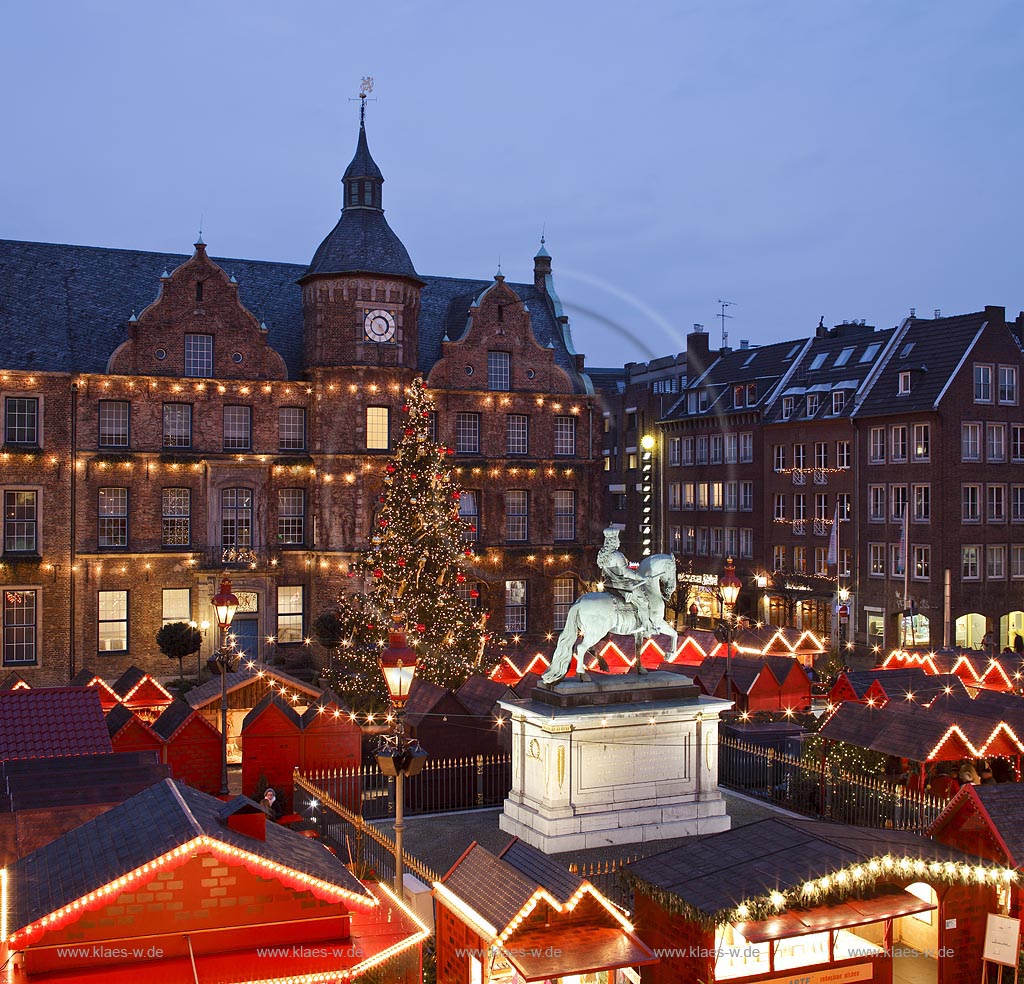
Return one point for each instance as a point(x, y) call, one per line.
point(414, 567)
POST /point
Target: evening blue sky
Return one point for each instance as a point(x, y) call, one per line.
point(800, 159)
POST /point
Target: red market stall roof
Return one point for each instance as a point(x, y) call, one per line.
point(14, 681)
point(995, 811)
point(87, 678)
point(880, 685)
point(137, 688)
point(52, 722)
point(479, 695)
point(496, 893)
point(206, 696)
point(775, 867)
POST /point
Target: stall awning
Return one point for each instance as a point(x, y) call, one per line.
point(541, 954)
point(890, 904)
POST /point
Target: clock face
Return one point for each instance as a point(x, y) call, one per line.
point(379, 326)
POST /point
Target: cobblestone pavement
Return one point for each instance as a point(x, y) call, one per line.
point(439, 839)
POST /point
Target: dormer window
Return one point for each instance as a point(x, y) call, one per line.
point(813, 403)
point(904, 384)
point(788, 404)
point(751, 394)
point(838, 401)
point(739, 395)
point(703, 404)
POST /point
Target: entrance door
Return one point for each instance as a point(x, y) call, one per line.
point(246, 630)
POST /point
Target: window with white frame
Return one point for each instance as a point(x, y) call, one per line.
point(876, 559)
point(1017, 442)
point(922, 503)
point(844, 505)
point(702, 450)
point(876, 447)
point(467, 432)
point(199, 356)
point(703, 495)
point(821, 506)
point(969, 570)
point(732, 496)
point(1017, 503)
point(995, 442)
point(746, 447)
point(996, 495)
point(732, 448)
point(788, 406)
point(113, 423)
point(897, 558)
point(291, 429)
point(779, 508)
point(845, 561)
point(177, 425)
point(799, 507)
point(820, 560)
point(176, 517)
point(690, 540)
point(469, 592)
point(703, 541)
point(21, 420)
point(799, 455)
point(922, 442)
point(1017, 561)
point(565, 514)
point(21, 521)
point(112, 621)
point(876, 503)
point(1008, 385)
point(675, 539)
point(112, 513)
point(970, 503)
point(563, 591)
point(921, 562)
point(565, 435)
point(716, 449)
point(291, 517)
point(516, 515)
point(970, 442)
point(821, 454)
point(517, 432)
point(746, 542)
point(800, 560)
point(675, 456)
point(235, 521)
point(813, 403)
point(731, 542)
point(237, 428)
point(432, 426)
point(746, 496)
point(689, 495)
point(515, 606)
point(675, 498)
point(717, 549)
point(838, 401)
point(688, 451)
point(739, 396)
point(779, 457)
point(20, 626)
point(378, 428)
point(290, 613)
point(499, 371)
point(995, 562)
point(469, 513)
point(717, 495)
point(778, 558)
point(898, 500)
point(898, 447)
point(982, 384)
point(843, 454)
point(904, 384)
point(177, 605)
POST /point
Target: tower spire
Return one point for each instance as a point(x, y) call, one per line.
point(363, 179)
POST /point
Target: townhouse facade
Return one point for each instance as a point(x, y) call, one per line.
point(241, 422)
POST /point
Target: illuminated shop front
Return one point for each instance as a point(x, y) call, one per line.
point(825, 902)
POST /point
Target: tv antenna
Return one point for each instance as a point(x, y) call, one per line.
point(722, 315)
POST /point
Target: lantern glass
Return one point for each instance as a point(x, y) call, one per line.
point(225, 604)
point(729, 584)
point(398, 676)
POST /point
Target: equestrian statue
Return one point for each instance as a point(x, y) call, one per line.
point(633, 603)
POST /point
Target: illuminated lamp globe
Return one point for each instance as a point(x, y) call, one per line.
point(225, 604)
point(398, 663)
point(729, 584)
point(647, 442)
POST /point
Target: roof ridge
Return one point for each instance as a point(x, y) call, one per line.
point(186, 809)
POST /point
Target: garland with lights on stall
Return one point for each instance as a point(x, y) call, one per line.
point(414, 566)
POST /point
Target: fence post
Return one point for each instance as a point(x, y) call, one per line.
point(391, 796)
point(479, 780)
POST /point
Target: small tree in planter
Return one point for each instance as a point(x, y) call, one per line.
point(178, 640)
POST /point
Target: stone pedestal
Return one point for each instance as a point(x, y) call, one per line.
point(619, 760)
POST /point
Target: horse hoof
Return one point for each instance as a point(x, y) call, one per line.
point(642, 670)
point(583, 678)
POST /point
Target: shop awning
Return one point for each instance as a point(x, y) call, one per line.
point(541, 954)
point(890, 904)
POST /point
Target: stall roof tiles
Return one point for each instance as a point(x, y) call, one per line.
point(51, 723)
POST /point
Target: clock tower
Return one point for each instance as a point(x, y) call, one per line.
point(361, 293)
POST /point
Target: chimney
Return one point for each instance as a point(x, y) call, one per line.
point(744, 344)
point(245, 817)
point(698, 352)
point(541, 268)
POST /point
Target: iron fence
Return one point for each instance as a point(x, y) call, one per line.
point(444, 785)
point(822, 789)
point(606, 877)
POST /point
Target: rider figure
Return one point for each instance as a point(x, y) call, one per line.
point(620, 580)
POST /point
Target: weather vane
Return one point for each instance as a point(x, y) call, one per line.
point(365, 88)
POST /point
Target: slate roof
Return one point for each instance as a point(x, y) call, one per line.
point(828, 377)
point(764, 365)
point(13, 680)
point(479, 695)
point(719, 872)
point(273, 700)
point(499, 886)
point(118, 717)
point(148, 825)
point(173, 718)
point(1004, 803)
point(938, 346)
point(209, 691)
point(65, 308)
point(52, 722)
point(423, 698)
point(362, 242)
point(362, 164)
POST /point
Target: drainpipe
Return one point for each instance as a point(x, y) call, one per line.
point(73, 496)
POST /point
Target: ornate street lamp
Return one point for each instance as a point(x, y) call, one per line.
point(397, 755)
point(728, 591)
point(225, 604)
point(646, 493)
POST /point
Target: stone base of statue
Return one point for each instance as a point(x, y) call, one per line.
point(616, 760)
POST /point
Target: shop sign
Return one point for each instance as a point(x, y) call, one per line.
point(702, 580)
point(1002, 940)
point(834, 975)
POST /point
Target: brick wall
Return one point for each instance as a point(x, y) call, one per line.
point(452, 934)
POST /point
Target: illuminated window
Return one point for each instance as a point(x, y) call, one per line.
point(922, 442)
point(19, 629)
point(236, 521)
point(291, 517)
point(515, 606)
point(289, 614)
point(176, 524)
point(113, 427)
point(112, 621)
point(177, 425)
point(378, 428)
point(177, 605)
point(113, 518)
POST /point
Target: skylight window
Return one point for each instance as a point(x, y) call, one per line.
point(791, 353)
point(750, 358)
point(907, 349)
point(819, 361)
point(844, 356)
point(871, 351)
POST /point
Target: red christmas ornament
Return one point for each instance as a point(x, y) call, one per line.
point(449, 450)
point(383, 523)
point(460, 579)
point(456, 496)
point(472, 528)
point(474, 593)
point(468, 552)
point(426, 413)
point(413, 476)
point(378, 573)
point(390, 469)
point(351, 573)
point(405, 408)
point(401, 562)
point(420, 627)
point(409, 432)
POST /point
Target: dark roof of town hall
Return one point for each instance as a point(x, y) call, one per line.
point(65, 308)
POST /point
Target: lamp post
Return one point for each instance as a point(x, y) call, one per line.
point(843, 615)
point(397, 755)
point(728, 589)
point(225, 604)
point(646, 493)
